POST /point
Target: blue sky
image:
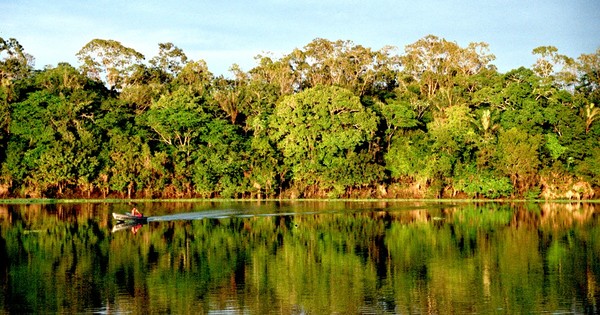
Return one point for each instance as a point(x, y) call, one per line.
point(226, 32)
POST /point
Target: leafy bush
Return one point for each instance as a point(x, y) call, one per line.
point(484, 184)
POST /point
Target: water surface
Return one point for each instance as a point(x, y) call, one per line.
point(302, 257)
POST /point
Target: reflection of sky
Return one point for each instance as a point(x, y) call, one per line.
point(228, 32)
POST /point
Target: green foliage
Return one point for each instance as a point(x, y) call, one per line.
point(177, 119)
point(171, 59)
point(319, 131)
point(15, 63)
point(453, 131)
point(220, 161)
point(108, 60)
point(590, 166)
point(398, 117)
point(552, 144)
point(54, 127)
point(408, 156)
point(331, 119)
point(480, 184)
point(518, 157)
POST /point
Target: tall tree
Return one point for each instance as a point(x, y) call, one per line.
point(589, 87)
point(171, 59)
point(548, 63)
point(230, 96)
point(195, 77)
point(284, 73)
point(144, 85)
point(345, 64)
point(439, 64)
point(109, 61)
point(398, 116)
point(15, 63)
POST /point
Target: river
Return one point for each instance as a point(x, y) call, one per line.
point(302, 257)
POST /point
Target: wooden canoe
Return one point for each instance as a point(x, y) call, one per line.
point(126, 217)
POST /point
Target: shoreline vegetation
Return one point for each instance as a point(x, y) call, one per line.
point(332, 120)
point(47, 201)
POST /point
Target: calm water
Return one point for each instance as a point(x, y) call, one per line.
point(302, 258)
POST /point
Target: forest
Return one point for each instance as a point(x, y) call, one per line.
point(333, 119)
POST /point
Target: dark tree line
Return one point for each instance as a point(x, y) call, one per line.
point(333, 119)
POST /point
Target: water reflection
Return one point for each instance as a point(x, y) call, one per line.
point(304, 257)
point(125, 221)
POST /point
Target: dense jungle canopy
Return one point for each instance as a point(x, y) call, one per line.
point(332, 119)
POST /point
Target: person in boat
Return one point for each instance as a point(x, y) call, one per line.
point(136, 213)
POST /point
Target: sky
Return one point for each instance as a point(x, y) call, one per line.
point(224, 32)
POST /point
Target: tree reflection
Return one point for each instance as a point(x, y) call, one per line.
point(347, 258)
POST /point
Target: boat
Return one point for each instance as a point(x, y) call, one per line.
point(126, 217)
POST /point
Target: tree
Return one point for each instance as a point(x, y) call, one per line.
point(108, 61)
point(195, 77)
point(15, 63)
point(31, 134)
point(408, 157)
point(398, 115)
point(549, 59)
point(453, 131)
point(230, 97)
point(55, 128)
point(205, 151)
point(324, 62)
point(55, 168)
point(516, 100)
point(518, 157)
point(144, 86)
point(264, 168)
point(439, 66)
point(589, 168)
point(320, 132)
point(177, 119)
point(589, 87)
point(589, 69)
point(171, 59)
point(127, 155)
point(284, 73)
point(342, 63)
point(220, 161)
